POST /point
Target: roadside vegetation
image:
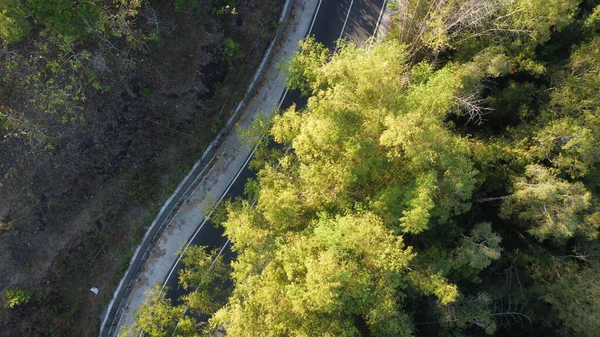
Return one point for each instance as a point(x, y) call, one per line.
point(443, 182)
point(104, 107)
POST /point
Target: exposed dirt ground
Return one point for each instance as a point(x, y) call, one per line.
point(71, 217)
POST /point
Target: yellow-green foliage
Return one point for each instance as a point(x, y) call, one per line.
point(14, 298)
point(396, 198)
point(550, 206)
point(371, 155)
point(14, 25)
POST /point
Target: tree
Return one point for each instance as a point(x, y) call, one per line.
point(569, 284)
point(320, 281)
point(156, 317)
point(304, 66)
point(549, 206)
point(570, 144)
point(575, 296)
point(370, 157)
point(431, 26)
point(206, 276)
point(538, 19)
point(471, 26)
point(363, 220)
point(65, 16)
point(14, 25)
point(570, 136)
point(477, 251)
point(471, 311)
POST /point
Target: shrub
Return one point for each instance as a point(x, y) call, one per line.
point(231, 51)
point(16, 297)
point(13, 23)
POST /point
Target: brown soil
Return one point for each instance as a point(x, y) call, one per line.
point(71, 217)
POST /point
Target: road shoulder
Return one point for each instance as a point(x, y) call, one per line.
point(228, 160)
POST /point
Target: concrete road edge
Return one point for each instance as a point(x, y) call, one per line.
point(172, 204)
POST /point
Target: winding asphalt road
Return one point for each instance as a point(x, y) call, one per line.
point(356, 20)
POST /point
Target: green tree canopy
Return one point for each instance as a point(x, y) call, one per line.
point(371, 157)
point(438, 183)
point(14, 25)
point(550, 206)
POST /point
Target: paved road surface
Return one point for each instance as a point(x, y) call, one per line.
point(352, 19)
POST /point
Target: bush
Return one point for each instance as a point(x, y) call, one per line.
point(231, 51)
point(16, 297)
point(182, 5)
point(13, 23)
point(66, 16)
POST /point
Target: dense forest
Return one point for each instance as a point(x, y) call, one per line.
point(442, 182)
point(104, 106)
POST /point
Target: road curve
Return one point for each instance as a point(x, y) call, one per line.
point(156, 253)
point(352, 19)
point(355, 20)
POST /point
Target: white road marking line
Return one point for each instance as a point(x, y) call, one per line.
point(207, 218)
point(220, 252)
point(251, 155)
point(346, 21)
point(256, 147)
point(243, 166)
point(211, 265)
point(380, 17)
point(216, 204)
point(233, 181)
point(283, 97)
point(314, 18)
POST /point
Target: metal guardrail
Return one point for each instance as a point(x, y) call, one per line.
point(171, 206)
